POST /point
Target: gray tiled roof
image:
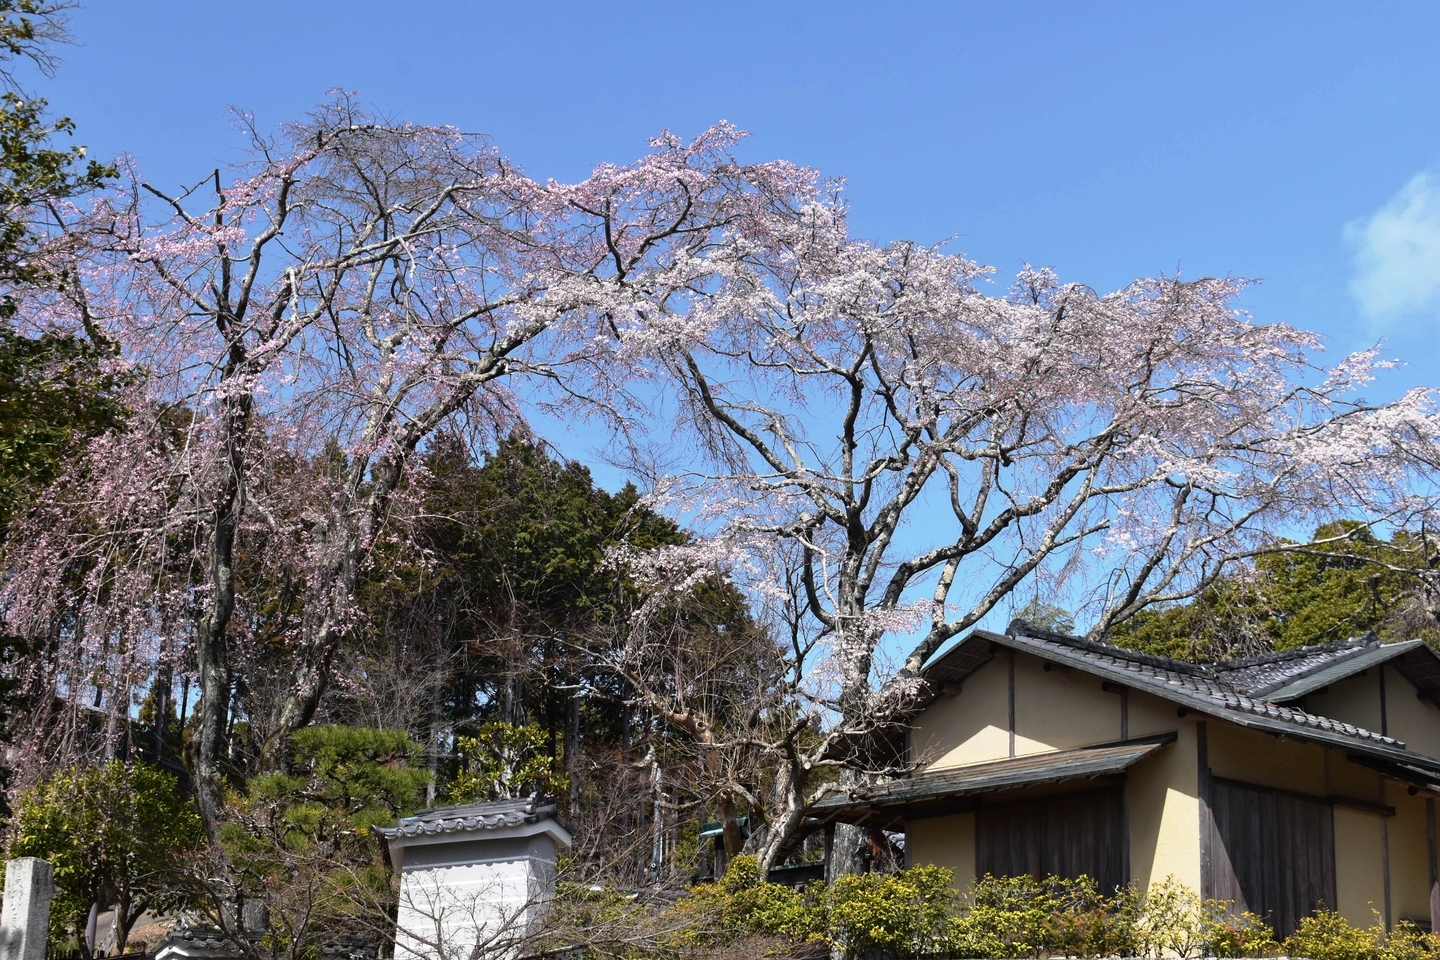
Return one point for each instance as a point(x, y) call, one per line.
point(1172, 677)
point(489, 815)
point(195, 939)
point(1223, 690)
point(192, 939)
point(1321, 672)
point(200, 935)
point(1244, 692)
point(1049, 767)
point(1264, 674)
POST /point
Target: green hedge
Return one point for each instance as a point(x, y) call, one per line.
point(918, 913)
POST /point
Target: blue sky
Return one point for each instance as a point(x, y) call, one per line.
point(1295, 142)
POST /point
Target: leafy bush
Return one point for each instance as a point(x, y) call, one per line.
point(118, 836)
point(906, 914)
point(1020, 916)
point(1242, 935)
point(741, 903)
point(1172, 920)
point(1325, 935)
point(1409, 942)
point(917, 913)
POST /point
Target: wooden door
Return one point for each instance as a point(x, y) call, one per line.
point(1271, 852)
point(1066, 837)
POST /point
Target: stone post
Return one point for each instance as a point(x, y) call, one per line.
point(25, 924)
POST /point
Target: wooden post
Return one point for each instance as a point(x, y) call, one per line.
point(1385, 865)
point(1384, 717)
point(1012, 704)
point(1202, 792)
point(1434, 865)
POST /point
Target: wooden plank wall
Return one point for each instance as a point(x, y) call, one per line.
point(1270, 852)
point(1064, 836)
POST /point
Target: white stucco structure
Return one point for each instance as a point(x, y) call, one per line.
point(473, 876)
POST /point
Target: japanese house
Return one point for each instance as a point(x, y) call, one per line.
point(1278, 782)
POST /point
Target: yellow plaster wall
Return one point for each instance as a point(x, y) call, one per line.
point(1409, 855)
point(1415, 721)
point(1057, 709)
point(1357, 700)
point(968, 727)
point(1150, 715)
point(1351, 780)
point(1163, 802)
point(1359, 865)
point(944, 842)
point(1249, 756)
point(1054, 709)
point(1354, 700)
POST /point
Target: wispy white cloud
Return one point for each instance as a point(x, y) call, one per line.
point(1397, 254)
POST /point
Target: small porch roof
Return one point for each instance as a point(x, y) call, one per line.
point(924, 794)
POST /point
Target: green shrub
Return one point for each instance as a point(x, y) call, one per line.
point(906, 914)
point(118, 835)
point(741, 903)
point(1020, 916)
point(1409, 942)
point(1325, 935)
point(1007, 917)
point(1172, 920)
point(917, 913)
point(1235, 935)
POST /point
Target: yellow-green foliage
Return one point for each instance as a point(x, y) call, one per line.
point(1409, 942)
point(917, 913)
point(505, 760)
point(1235, 935)
point(1325, 935)
point(905, 914)
point(1172, 920)
point(741, 903)
point(1019, 916)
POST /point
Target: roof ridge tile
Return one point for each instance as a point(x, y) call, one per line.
point(1295, 653)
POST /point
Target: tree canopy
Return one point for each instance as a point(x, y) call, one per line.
point(118, 835)
point(1318, 592)
point(269, 453)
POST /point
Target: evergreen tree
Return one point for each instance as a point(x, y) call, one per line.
point(118, 835)
point(302, 842)
point(1330, 589)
